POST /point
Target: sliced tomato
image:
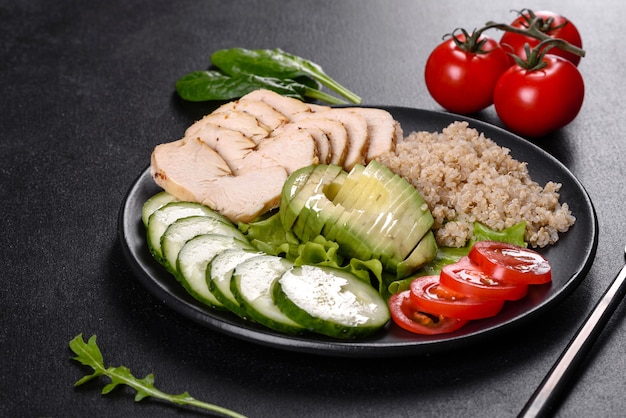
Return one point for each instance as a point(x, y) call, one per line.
point(511, 263)
point(467, 277)
point(404, 313)
point(428, 295)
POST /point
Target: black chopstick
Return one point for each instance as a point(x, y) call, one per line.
point(547, 396)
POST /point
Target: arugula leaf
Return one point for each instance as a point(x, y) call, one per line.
point(89, 354)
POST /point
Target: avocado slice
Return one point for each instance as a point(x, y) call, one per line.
point(292, 186)
point(423, 253)
point(297, 209)
point(370, 212)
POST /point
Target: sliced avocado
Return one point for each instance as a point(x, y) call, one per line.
point(321, 176)
point(425, 252)
point(370, 212)
point(396, 252)
point(322, 210)
point(292, 186)
point(346, 192)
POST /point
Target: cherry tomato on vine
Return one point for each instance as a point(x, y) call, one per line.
point(535, 102)
point(462, 71)
point(552, 24)
point(407, 316)
point(467, 277)
point(429, 296)
point(510, 263)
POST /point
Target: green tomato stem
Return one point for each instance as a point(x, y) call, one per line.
point(534, 32)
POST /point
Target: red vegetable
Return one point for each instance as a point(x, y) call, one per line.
point(475, 287)
point(468, 278)
point(510, 263)
point(541, 99)
point(428, 295)
point(549, 23)
point(407, 316)
point(461, 72)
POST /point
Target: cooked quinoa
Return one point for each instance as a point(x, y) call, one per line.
point(466, 177)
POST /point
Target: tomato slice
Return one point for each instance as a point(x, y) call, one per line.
point(511, 263)
point(467, 277)
point(428, 295)
point(404, 313)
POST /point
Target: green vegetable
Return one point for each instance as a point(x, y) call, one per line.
point(89, 354)
point(275, 63)
point(200, 86)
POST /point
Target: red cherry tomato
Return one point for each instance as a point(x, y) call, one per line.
point(429, 296)
point(404, 313)
point(463, 81)
point(539, 101)
point(467, 277)
point(552, 24)
point(510, 263)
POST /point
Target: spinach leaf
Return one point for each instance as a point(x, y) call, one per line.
point(200, 86)
point(275, 63)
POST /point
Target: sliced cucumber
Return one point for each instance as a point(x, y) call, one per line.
point(252, 287)
point(167, 214)
point(184, 229)
point(193, 260)
point(330, 301)
point(158, 200)
point(219, 274)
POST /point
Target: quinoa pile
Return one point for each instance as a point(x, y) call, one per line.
point(466, 177)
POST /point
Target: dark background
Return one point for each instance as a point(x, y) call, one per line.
point(87, 92)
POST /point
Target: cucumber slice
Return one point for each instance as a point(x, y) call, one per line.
point(168, 214)
point(155, 202)
point(331, 302)
point(193, 259)
point(219, 274)
point(183, 229)
point(252, 287)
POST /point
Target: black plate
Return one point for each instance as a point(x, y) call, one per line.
point(571, 259)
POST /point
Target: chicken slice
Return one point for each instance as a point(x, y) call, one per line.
point(234, 120)
point(288, 106)
point(192, 171)
point(245, 197)
point(184, 168)
point(318, 108)
point(231, 145)
point(356, 128)
point(264, 113)
point(321, 139)
point(384, 131)
point(291, 150)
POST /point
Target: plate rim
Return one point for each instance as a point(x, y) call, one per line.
point(356, 348)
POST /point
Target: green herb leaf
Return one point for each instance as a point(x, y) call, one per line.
point(200, 86)
point(275, 63)
point(89, 354)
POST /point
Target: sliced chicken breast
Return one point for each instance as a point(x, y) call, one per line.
point(356, 128)
point(234, 120)
point(383, 131)
point(291, 150)
point(288, 106)
point(245, 197)
point(264, 113)
point(231, 145)
point(184, 167)
point(336, 133)
point(321, 139)
point(192, 171)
